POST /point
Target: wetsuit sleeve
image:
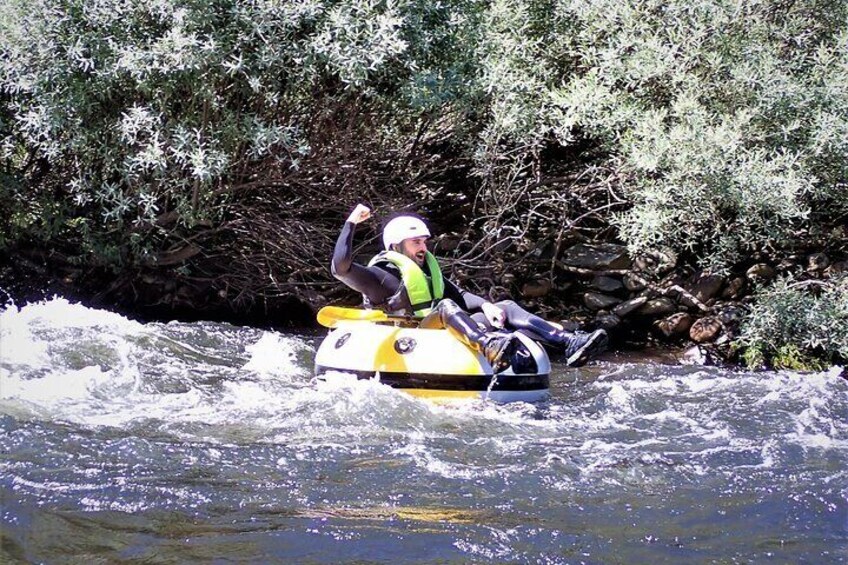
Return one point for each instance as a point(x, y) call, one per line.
point(376, 284)
point(343, 252)
point(467, 300)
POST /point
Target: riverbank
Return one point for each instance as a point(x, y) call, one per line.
point(651, 304)
point(144, 294)
point(654, 298)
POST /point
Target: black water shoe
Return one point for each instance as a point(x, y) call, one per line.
point(498, 350)
point(580, 347)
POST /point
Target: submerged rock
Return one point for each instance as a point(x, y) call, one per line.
point(656, 262)
point(536, 289)
point(817, 262)
point(734, 289)
point(837, 268)
point(607, 321)
point(607, 284)
point(633, 283)
point(730, 315)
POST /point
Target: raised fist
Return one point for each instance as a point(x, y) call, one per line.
point(359, 214)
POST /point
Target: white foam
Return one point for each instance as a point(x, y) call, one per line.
point(59, 313)
point(70, 363)
point(29, 335)
point(131, 377)
point(274, 355)
point(18, 347)
point(55, 388)
point(620, 398)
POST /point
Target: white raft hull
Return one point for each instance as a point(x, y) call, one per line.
point(431, 363)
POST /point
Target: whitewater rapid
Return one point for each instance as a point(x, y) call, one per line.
point(224, 430)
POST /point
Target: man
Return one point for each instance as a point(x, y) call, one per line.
point(406, 279)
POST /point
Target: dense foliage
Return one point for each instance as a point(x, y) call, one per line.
point(151, 133)
point(129, 110)
point(727, 122)
point(791, 327)
point(155, 132)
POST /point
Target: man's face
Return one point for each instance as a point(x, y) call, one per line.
point(415, 248)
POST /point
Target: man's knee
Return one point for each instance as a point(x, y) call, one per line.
point(513, 309)
point(440, 314)
point(446, 307)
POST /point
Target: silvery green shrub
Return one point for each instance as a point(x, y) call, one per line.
point(134, 109)
point(724, 125)
point(794, 322)
point(728, 120)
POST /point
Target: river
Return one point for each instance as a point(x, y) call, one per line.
point(203, 442)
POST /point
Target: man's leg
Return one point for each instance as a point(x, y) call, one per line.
point(497, 349)
point(578, 347)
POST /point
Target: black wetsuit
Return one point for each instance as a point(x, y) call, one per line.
point(381, 286)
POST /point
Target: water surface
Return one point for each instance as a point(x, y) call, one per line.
point(164, 443)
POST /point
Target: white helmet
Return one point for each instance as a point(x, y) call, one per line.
point(403, 227)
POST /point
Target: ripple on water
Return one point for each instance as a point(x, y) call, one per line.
point(220, 435)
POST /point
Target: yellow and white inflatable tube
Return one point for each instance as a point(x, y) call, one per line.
point(430, 363)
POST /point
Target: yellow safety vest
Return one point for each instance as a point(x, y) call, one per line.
point(424, 292)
